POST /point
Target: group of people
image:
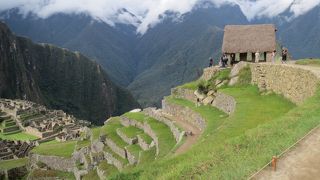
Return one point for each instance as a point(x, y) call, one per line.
point(223, 62)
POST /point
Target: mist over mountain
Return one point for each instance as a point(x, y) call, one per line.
point(176, 46)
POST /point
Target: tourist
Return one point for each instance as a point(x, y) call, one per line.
point(224, 60)
point(257, 55)
point(284, 55)
point(233, 59)
point(274, 56)
point(222, 65)
point(210, 62)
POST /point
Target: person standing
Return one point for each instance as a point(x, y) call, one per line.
point(233, 59)
point(257, 57)
point(284, 55)
point(210, 62)
point(274, 56)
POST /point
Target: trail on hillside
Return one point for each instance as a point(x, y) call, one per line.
point(302, 162)
point(187, 127)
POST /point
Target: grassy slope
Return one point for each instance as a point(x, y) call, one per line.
point(47, 174)
point(54, 148)
point(252, 111)
point(10, 164)
point(309, 62)
point(18, 136)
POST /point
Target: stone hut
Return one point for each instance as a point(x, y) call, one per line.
point(243, 41)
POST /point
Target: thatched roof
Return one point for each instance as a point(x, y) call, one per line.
point(249, 38)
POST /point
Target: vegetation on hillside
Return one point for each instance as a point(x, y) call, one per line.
point(54, 148)
point(309, 62)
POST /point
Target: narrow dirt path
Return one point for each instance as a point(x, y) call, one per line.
point(186, 126)
point(301, 163)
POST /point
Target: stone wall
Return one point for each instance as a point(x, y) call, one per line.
point(209, 72)
point(144, 126)
point(54, 162)
point(115, 148)
point(184, 113)
point(154, 113)
point(143, 144)
point(125, 138)
point(113, 161)
point(294, 82)
point(183, 93)
point(131, 158)
point(224, 102)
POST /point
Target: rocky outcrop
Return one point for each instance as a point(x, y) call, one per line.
point(156, 114)
point(209, 72)
point(295, 83)
point(144, 126)
point(184, 113)
point(53, 162)
point(234, 74)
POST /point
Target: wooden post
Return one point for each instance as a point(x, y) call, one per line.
point(274, 163)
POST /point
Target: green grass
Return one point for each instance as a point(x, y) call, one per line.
point(10, 164)
point(18, 136)
point(43, 174)
point(146, 138)
point(134, 150)
point(209, 157)
point(165, 137)
point(91, 175)
point(131, 131)
point(108, 168)
point(84, 143)
point(148, 156)
point(309, 62)
point(191, 85)
point(222, 74)
point(244, 76)
point(54, 148)
point(96, 133)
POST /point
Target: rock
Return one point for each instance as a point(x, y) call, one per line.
point(223, 83)
point(233, 81)
point(218, 81)
point(210, 93)
point(236, 69)
point(199, 95)
point(208, 100)
point(97, 147)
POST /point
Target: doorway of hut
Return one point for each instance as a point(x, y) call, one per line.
point(243, 56)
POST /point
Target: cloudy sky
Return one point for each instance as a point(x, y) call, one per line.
point(147, 11)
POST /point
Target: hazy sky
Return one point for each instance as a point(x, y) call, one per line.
point(147, 11)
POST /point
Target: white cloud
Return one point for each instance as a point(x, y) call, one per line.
point(147, 12)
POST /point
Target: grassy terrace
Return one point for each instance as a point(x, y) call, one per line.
point(91, 175)
point(24, 117)
point(131, 131)
point(309, 62)
point(146, 138)
point(18, 136)
point(96, 132)
point(122, 160)
point(54, 148)
point(10, 164)
point(165, 137)
point(81, 144)
point(134, 150)
point(234, 147)
point(110, 130)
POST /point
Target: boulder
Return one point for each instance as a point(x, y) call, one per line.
point(234, 81)
point(208, 100)
point(236, 69)
point(199, 95)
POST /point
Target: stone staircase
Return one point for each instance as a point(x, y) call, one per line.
point(8, 125)
point(262, 75)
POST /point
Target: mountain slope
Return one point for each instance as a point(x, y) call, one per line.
point(58, 78)
point(110, 47)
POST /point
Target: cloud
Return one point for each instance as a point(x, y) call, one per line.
point(146, 13)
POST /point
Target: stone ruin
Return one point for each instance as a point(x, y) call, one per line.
point(14, 149)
